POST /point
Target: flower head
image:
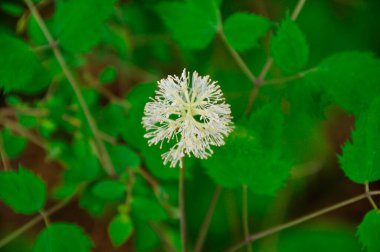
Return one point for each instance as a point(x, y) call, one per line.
point(191, 111)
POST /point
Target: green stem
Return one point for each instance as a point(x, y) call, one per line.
point(32, 223)
point(245, 216)
point(289, 78)
point(240, 62)
point(181, 200)
point(295, 222)
point(206, 222)
point(103, 154)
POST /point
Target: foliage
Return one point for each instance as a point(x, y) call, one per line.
point(71, 112)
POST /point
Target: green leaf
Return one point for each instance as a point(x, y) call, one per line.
point(62, 237)
point(120, 229)
point(253, 154)
point(20, 70)
point(13, 144)
point(148, 209)
point(289, 48)
point(368, 231)
point(137, 98)
point(108, 75)
point(23, 191)
point(108, 189)
point(361, 156)
point(123, 157)
point(77, 24)
point(193, 23)
point(242, 30)
point(340, 74)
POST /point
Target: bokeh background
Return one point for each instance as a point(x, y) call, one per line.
point(134, 51)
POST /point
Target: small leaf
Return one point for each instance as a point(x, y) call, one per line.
point(193, 23)
point(108, 75)
point(62, 237)
point(120, 229)
point(368, 231)
point(289, 47)
point(361, 156)
point(77, 23)
point(123, 157)
point(108, 189)
point(14, 145)
point(23, 191)
point(242, 30)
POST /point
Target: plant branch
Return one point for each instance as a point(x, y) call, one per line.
point(206, 222)
point(181, 200)
point(3, 154)
point(369, 196)
point(245, 216)
point(295, 222)
point(289, 78)
point(239, 61)
point(103, 154)
point(32, 223)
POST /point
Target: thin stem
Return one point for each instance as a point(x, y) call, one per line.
point(245, 216)
point(45, 217)
point(295, 222)
point(289, 78)
point(4, 157)
point(268, 64)
point(240, 62)
point(206, 222)
point(32, 223)
point(165, 241)
point(369, 196)
point(181, 200)
point(103, 154)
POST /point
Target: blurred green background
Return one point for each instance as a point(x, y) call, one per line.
point(118, 65)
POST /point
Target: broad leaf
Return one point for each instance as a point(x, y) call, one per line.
point(351, 79)
point(23, 191)
point(108, 189)
point(21, 70)
point(77, 24)
point(242, 30)
point(368, 231)
point(193, 23)
point(289, 48)
point(120, 229)
point(361, 156)
point(14, 145)
point(62, 237)
point(148, 209)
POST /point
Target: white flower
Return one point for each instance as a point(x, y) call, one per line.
point(190, 111)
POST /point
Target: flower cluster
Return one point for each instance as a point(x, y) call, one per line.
point(191, 111)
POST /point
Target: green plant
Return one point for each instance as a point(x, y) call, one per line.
point(60, 75)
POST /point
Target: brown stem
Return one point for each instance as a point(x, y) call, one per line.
point(181, 200)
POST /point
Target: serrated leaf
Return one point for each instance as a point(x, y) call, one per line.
point(340, 74)
point(120, 229)
point(62, 237)
point(289, 48)
point(368, 231)
point(242, 30)
point(108, 189)
point(23, 191)
point(20, 70)
point(193, 23)
point(77, 24)
point(361, 156)
point(253, 154)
